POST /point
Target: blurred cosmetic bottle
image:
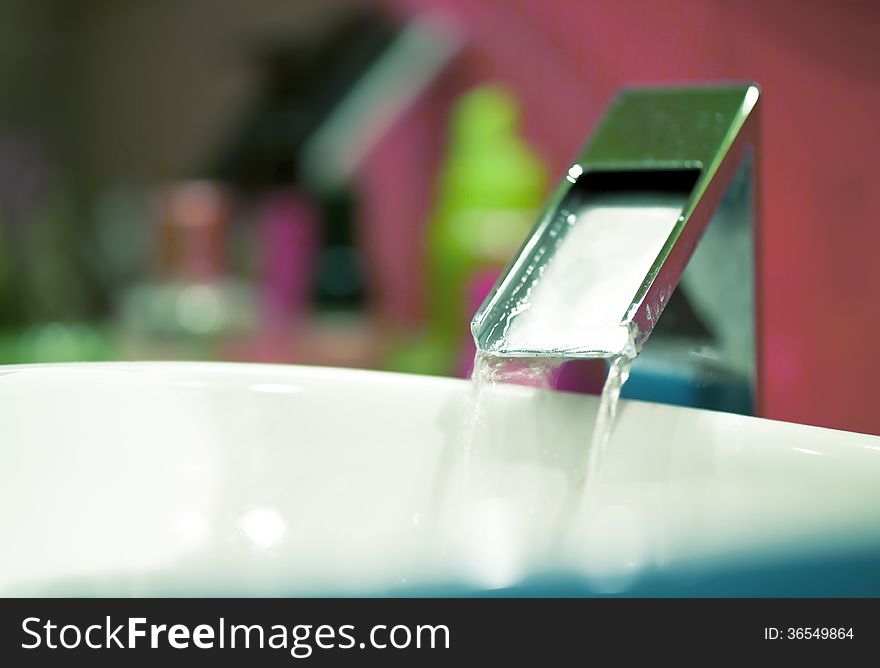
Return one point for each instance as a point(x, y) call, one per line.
point(283, 229)
point(191, 305)
point(288, 231)
point(491, 189)
point(49, 299)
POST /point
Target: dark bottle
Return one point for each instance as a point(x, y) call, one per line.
point(339, 281)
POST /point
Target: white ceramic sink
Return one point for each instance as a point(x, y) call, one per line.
point(222, 479)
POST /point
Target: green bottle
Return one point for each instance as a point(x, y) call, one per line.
point(490, 192)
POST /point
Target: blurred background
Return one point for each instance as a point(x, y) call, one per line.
point(338, 182)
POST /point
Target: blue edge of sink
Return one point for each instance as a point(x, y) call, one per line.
point(855, 575)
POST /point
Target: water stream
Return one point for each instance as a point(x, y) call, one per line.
point(541, 373)
point(497, 526)
point(571, 301)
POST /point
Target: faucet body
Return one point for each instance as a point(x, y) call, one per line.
point(698, 144)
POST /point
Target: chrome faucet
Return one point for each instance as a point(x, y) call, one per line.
point(697, 144)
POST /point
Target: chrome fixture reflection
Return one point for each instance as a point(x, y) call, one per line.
point(684, 157)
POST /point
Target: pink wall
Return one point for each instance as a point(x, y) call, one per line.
point(819, 65)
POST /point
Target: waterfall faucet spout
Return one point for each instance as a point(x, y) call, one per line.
point(667, 172)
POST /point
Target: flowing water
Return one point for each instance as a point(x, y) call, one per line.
point(618, 373)
point(489, 370)
point(569, 300)
point(496, 529)
point(572, 299)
